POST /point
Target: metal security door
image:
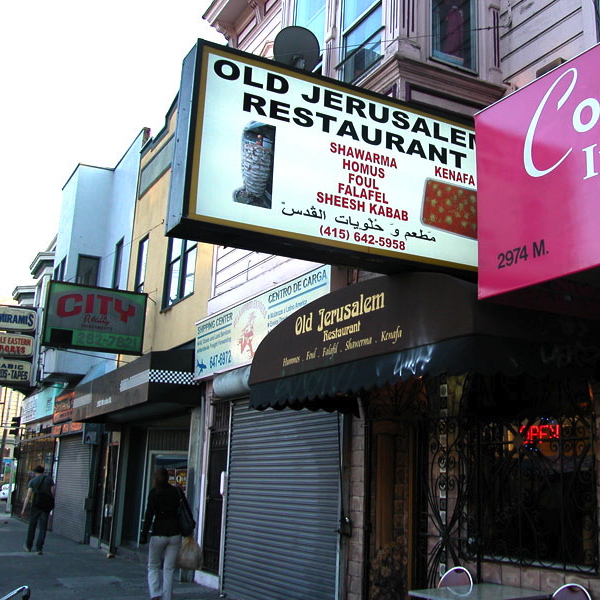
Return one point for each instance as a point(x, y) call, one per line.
point(282, 505)
point(72, 488)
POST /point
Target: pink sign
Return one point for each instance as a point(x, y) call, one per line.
point(538, 167)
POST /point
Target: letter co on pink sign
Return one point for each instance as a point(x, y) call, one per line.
point(584, 117)
point(538, 167)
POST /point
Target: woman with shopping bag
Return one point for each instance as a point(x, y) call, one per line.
point(161, 523)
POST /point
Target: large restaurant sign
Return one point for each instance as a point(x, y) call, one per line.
point(94, 318)
point(269, 157)
point(538, 162)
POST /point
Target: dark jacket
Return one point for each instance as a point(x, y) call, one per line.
point(161, 512)
point(41, 482)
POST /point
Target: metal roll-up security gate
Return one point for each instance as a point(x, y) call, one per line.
point(72, 486)
point(282, 509)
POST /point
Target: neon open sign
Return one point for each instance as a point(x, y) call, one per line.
point(540, 433)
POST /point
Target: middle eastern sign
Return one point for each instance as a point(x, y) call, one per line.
point(229, 339)
point(16, 345)
point(538, 162)
point(304, 166)
point(94, 318)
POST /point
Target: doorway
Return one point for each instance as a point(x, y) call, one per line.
point(391, 509)
point(176, 465)
point(105, 492)
point(217, 466)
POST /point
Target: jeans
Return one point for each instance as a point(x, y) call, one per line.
point(163, 549)
point(37, 517)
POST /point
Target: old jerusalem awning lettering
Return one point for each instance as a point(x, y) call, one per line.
point(149, 386)
point(391, 328)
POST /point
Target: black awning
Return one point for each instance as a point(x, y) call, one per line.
point(155, 385)
point(392, 328)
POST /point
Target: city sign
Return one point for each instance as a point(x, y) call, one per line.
point(93, 318)
point(275, 159)
point(538, 163)
point(15, 318)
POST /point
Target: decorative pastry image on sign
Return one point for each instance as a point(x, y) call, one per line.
point(450, 207)
point(258, 147)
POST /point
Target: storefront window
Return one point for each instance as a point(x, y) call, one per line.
point(541, 499)
point(510, 476)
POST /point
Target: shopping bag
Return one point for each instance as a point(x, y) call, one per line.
point(189, 555)
point(187, 524)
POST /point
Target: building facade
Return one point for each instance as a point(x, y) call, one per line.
point(150, 408)
point(420, 445)
point(91, 248)
point(469, 440)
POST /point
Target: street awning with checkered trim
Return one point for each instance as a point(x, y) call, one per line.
point(156, 384)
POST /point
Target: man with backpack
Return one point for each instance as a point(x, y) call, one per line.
point(41, 487)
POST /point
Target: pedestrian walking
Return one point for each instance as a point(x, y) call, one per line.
point(40, 491)
point(161, 523)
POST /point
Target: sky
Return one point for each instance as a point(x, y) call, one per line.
point(79, 81)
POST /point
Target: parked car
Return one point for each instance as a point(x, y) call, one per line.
point(4, 491)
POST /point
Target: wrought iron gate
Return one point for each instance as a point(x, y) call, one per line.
point(445, 455)
point(517, 488)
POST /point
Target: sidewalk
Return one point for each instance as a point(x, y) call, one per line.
point(71, 571)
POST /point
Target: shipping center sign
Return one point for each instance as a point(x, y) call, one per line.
point(269, 157)
point(228, 339)
point(538, 161)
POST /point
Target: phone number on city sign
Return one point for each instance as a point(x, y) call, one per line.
point(105, 340)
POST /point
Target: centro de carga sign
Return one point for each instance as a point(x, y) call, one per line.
point(94, 318)
point(278, 160)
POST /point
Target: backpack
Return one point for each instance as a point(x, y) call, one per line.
point(42, 500)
